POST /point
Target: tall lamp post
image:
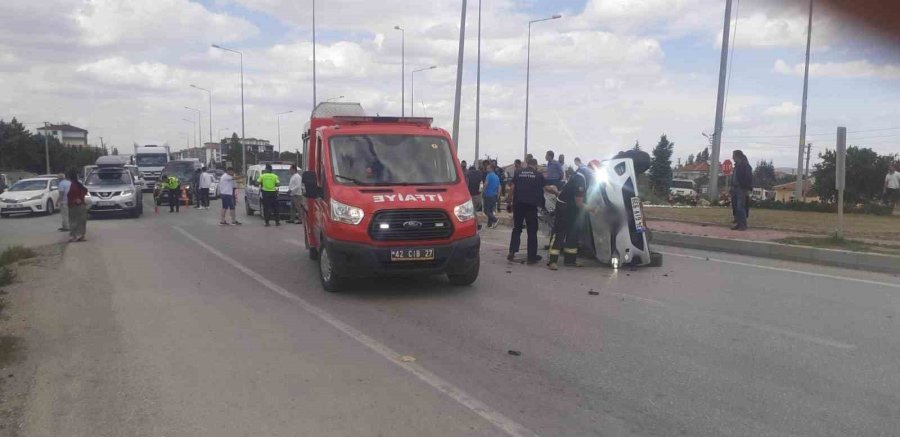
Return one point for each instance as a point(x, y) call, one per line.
point(209, 94)
point(412, 88)
point(278, 123)
point(528, 74)
point(244, 133)
point(199, 125)
point(402, 70)
point(193, 131)
point(47, 146)
point(478, 90)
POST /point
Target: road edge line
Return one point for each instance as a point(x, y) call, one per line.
point(478, 407)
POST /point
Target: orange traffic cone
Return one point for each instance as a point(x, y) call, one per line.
point(184, 198)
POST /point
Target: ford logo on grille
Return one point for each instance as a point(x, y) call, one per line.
point(412, 224)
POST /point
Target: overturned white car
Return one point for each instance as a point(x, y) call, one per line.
point(616, 225)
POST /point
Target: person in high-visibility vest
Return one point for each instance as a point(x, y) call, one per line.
point(268, 184)
point(173, 189)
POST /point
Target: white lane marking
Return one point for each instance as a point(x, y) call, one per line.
point(728, 319)
point(506, 424)
point(781, 269)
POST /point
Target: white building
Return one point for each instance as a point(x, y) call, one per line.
point(66, 134)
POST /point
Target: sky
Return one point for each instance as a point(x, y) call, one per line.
point(607, 74)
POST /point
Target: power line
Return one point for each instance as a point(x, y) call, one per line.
point(816, 134)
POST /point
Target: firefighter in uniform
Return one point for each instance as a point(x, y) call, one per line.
point(569, 205)
point(268, 183)
point(173, 189)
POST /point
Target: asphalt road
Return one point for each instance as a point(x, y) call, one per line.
point(177, 326)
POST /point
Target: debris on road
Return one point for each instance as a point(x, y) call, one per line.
point(514, 353)
point(593, 293)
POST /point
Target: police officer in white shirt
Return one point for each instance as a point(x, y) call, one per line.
point(295, 187)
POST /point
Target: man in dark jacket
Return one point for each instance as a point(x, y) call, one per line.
point(741, 186)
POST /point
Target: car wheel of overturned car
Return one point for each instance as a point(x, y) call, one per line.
point(331, 282)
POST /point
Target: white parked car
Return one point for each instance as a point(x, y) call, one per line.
point(683, 187)
point(34, 195)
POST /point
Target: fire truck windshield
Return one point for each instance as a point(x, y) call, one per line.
point(392, 160)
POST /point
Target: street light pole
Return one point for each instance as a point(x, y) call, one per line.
point(314, 51)
point(720, 109)
point(47, 146)
point(199, 138)
point(528, 74)
point(412, 89)
point(278, 123)
point(798, 189)
point(193, 131)
point(459, 75)
point(402, 70)
point(243, 132)
point(209, 93)
point(478, 89)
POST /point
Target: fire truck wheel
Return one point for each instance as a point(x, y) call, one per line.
point(466, 278)
point(331, 282)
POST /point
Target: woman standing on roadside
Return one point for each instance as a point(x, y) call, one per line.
point(77, 208)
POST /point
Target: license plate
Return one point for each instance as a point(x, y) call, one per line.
point(105, 203)
point(412, 254)
point(638, 214)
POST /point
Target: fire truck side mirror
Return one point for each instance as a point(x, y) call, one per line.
point(311, 187)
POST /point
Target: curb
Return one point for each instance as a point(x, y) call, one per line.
point(838, 258)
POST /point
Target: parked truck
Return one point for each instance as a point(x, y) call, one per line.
point(150, 160)
point(385, 196)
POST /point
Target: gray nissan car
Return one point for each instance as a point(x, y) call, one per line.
point(112, 190)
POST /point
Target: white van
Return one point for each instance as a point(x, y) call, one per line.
point(253, 194)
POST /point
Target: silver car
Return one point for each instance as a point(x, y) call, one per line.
point(112, 190)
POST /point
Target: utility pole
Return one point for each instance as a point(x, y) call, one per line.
point(478, 89)
point(402, 70)
point(808, 151)
point(459, 75)
point(47, 146)
point(720, 109)
point(798, 191)
point(314, 50)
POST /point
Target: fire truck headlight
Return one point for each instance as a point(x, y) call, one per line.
point(346, 213)
point(465, 212)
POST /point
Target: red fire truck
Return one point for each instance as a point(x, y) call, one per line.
point(385, 196)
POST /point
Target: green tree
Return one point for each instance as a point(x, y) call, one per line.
point(235, 153)
point(115, 151)
point(865, 175)
point(764, 174)
point(637, 146)
point(690, 159)
point(661, 167)
point(703, 156)
point(22, 150)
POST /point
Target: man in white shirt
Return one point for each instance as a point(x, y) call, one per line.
point(892, 185)
point(295, 187)
point(64, 185)
point(205, 183)
point(226, 193)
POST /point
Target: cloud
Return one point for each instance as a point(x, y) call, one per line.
point(783, 109)
point(841, 70)
point(141, 22)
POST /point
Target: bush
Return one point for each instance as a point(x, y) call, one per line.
point(867, 208)
point(7, 275)
point(15, 253)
